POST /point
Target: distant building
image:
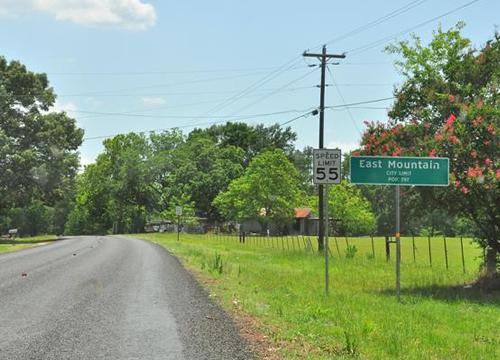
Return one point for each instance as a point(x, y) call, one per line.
point(304, 224)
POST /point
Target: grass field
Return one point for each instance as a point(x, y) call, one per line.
point(26, 242)
point(283, 287)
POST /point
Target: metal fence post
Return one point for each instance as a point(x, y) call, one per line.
point(430, 251)
point(413, 242)
point(462, 248)
point(445, 251)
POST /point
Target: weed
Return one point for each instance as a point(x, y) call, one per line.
point(350, 345)
point(350, 251)
point(216, 264)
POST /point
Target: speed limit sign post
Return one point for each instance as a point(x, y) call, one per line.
point(326, 166)
point(326, 170)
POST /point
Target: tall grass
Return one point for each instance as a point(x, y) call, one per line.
point(283, 286)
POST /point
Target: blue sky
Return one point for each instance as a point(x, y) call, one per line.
point(138, 65)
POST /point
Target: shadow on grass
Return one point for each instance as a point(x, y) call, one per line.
point(21, 241)
point(479, 293)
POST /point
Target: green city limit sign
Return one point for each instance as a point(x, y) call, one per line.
point(387, 170)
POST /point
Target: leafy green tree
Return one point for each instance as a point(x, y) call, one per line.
point(268, 191)
point(253, 140)
point(38, 148)
point(449, 106)
point(350, 209)
point(202, 171)
point(302, 159)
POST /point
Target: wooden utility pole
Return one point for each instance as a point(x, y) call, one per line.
point(323, 57)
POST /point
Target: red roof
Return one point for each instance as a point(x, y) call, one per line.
point(301, 213)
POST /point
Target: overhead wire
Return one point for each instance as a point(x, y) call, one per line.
point(343, 100)
point(406, 31)
point(275, 92)
point(378, 21)
point(191, 125)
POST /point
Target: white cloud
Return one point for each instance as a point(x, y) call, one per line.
point(153, 100)
point(125, 14)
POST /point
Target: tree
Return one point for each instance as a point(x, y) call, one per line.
point(253, 140)
point(350, 209)
point(449, 106)
point(303, 162)
point(268, 191)
point(202, 171)
point(38, 148)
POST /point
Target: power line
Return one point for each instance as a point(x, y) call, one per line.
point(311, 111)
point(251, 116)
point(171, 84)
point(126, 73)
point(272, 75)
point(199, 124)
point(343, 101)
point(360, 103)
point(390, 37)
point(380, 20)
point(198, 102)
point(314, 112)
point(275, 92)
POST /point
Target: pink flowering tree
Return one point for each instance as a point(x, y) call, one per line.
point(449, 106)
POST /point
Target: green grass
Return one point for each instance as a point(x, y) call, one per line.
point(23, 243)
point(283, 286)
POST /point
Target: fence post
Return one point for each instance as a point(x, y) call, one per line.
point(387, 249)
point(462, 248)
point(373, 247)
point(430, 251)
point(413, 242)
point(337, 245)
point(445, 251)
point(346, 241)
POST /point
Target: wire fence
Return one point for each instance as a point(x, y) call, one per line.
point(435, 252)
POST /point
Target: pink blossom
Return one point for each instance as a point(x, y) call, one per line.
point(438, 136)
point(433, 153)
point(473, 153)
point(464, 189)
point(474, 172)
point(491, 129)
point(397, 152)
point(477, 121)
point(488, 162)
point(451, 120)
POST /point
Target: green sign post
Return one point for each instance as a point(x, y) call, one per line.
point(386, 170)
point(409, 171)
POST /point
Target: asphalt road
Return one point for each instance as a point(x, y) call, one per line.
point(108, 298)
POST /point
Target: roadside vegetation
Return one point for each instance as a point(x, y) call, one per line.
point(439, 317)
point(7, 245)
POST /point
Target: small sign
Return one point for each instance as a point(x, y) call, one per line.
point(326, 166)
point(178, 210)
point(387, 170)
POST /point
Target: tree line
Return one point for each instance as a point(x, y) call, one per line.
point(447, 105)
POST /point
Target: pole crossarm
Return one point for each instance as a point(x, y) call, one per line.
point(326, 56)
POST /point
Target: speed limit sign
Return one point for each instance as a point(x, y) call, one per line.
point(326, 166)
